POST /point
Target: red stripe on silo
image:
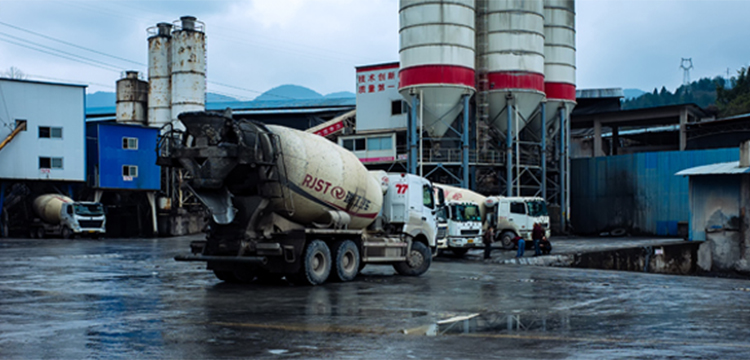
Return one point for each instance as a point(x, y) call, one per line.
point(562, 91)
point(516, 80)
point(436, 74)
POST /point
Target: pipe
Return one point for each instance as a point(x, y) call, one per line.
point(421, 131)
point(563, 172)
point(509, 152)
point(544, 149)
point(413, 135)
point(465, 144)
point(18, 129)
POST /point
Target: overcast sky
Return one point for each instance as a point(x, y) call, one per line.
point(256, 45)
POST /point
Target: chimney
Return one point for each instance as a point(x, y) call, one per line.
point(745, 154)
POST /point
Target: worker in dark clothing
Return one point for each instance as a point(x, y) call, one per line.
point(537, 234)
point(488, 238)
point(545, 246)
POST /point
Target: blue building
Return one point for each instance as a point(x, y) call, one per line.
point(122, 157)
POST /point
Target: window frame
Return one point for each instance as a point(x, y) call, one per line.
point(49, 132)
point(126, 141)
point(130, 169)
point(50, 161)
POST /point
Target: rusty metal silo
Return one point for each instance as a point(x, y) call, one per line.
point(188, 66)
point(159, 75)
point(132, 96)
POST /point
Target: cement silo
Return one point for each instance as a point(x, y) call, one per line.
point(132, 95)
point(437, 58)
point(560, 56)
point(159, 75)
point(513, 59)
point(188, 66)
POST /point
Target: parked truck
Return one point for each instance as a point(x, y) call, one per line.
point(59, 215)
point(461, 218)
point(287, 203)
point(516, 216)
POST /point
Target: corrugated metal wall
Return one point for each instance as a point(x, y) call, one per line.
point(715, 204)
point(638, 192)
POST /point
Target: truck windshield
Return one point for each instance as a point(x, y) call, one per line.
point(537, 208)
point(465, 212)
point(88, 209)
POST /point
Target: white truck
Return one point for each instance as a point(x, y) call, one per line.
point(59, 215)
point(285, 203)
point(463, 226)
point(516, 216)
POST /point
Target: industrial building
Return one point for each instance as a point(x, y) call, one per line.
point(43, 146)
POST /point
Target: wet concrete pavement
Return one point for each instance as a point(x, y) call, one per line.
point(125, 299)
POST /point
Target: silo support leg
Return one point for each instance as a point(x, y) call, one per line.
point(152, 202)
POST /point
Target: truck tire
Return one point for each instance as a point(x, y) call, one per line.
point(506, 240)
point(66, 233)
point(346, 261)
point(316, 264)
point(459, 252)
point(417, 261)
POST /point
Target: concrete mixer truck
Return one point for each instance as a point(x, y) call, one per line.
point(59, 215)
point(285, 203)
point(462, 217)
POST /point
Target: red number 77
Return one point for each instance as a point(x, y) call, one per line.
point(401, 188)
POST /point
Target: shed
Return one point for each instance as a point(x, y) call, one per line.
point(719, 199)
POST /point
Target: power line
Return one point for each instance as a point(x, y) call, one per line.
point(71, 44)
point(59, 55)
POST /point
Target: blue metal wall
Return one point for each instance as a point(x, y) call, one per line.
point(638, 192)
point(110, 157)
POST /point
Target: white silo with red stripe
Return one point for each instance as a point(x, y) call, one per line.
point(437, 56)
point(514, 59)
point(560, 57)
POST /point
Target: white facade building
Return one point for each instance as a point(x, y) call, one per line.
point(52, 147)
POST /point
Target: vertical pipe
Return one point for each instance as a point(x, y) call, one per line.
point(544, 149)
point(567, 168)
point(563, 172)
point(509, 152)
point(517, 181)
point(465, 144)
point(413, 135)
point(421, 131)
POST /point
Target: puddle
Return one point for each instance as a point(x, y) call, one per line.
point(493, 323)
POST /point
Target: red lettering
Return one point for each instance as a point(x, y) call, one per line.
point(319, 185)
point(371, 88)
point(371, 78)
point(307, 181)
point(391, 75)
point(361, 78)
point(381, 77)
point(381, 87)
point(401, 188)
point(327, 186)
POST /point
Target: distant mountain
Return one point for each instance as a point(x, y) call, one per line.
point(283, 92)
point(101, 99)
point(287, 92)
point(340, 94)
point(632, 93)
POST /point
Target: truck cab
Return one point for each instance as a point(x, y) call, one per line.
point(516, 216)
point(83, 218)
point(410, 201)
point(463, 226)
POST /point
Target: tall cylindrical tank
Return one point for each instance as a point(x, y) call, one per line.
point(132, 96)
point(513, 58)
point(48, 207)
point(188, 66)
point(159, 75)
point(437, 57)
point(559, 57)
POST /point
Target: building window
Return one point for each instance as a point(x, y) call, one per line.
point(130, 143)
point(50, 162)
point(19, 123)
point(398, 107)
point(48, 132)
point(379, 143)
point(354, 144)
point(130, 170)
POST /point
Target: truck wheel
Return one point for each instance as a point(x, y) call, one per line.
point(459, 252)
point(506, 239)
point(347, 260)
point(316, 264)
point(417, 261)
point(66, 233)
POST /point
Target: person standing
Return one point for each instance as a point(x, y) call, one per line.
point(488, 237)
point(521, 246)
point(537, 234)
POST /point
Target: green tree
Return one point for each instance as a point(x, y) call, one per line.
point(736, 100)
